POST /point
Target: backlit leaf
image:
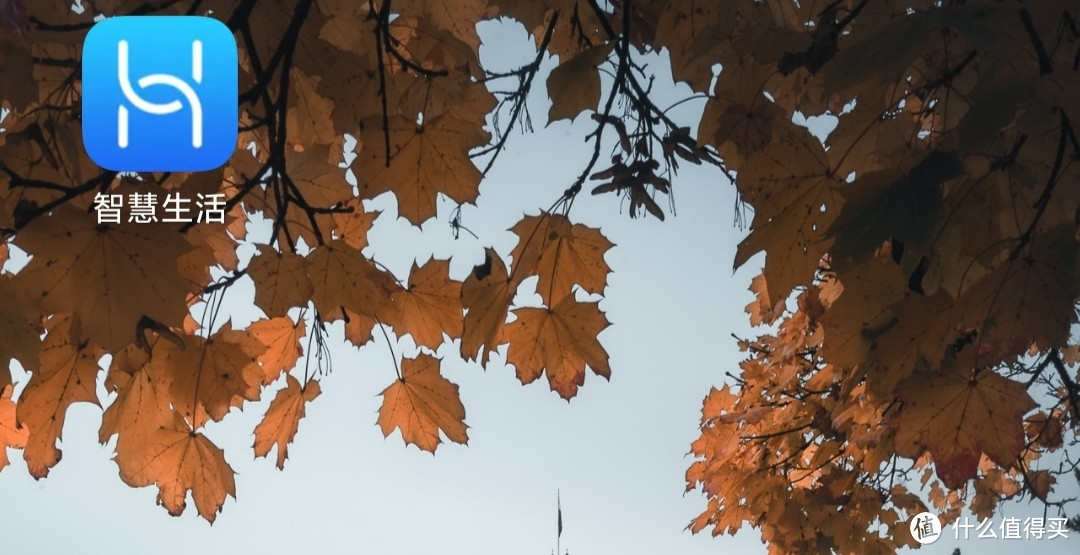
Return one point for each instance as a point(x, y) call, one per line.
point(429, 307)
point(11, 434)
point(342, 277)
point(110, 275)
point(179, 460)
point(279, 425)
point(66, 374)
point(796, 198)
point(559, 342)
point(281, 280)
point(574, 86)
point(422, 403)
point(208, 377)
point(959, 417)
point(486, 295)
point(426, 159)
point(281, 337)
point(561, 254)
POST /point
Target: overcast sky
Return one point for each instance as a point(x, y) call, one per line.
point(617, 452)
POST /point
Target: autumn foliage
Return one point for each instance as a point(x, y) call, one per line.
point(921, 262)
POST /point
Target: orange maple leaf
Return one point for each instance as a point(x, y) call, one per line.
point(281, 280)
point(421, 403)
point(308, 119)
point(316, 172)
point(762, 309)
point(212, 246)
point(788, 182)
point(279, 425)
point(558, 341)
point(358, 327)
point(142, 404)
point(425, 160)
point(179, 460)
point(958, 416)
point(344, 278)
point(208, 377)
point(429, 307)
point(486, 294)
point(11, 435)
point(282, 340)
point(352, 227)
point(18, 339)
point(561, 254)
point(456, 16)
point(110, 275)
point(67, 374)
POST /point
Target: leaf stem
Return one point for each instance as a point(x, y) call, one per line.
point(389, 345)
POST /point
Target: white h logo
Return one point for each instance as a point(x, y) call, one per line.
point(160, 109)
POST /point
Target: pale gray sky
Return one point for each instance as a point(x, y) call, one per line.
point(617, 451)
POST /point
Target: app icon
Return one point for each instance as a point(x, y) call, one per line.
point(159, 93)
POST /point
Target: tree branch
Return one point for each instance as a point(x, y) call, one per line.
point(1033, 36)
point(525, 76)
point(1072, 389)
point(382, 79)
point(1044, 199)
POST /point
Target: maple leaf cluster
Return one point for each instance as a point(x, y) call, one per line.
point(140, 302)
point(921, 262)
point(921, 268)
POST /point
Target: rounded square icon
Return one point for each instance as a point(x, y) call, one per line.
point(159, 93)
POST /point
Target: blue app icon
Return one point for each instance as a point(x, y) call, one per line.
point(159, 93)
